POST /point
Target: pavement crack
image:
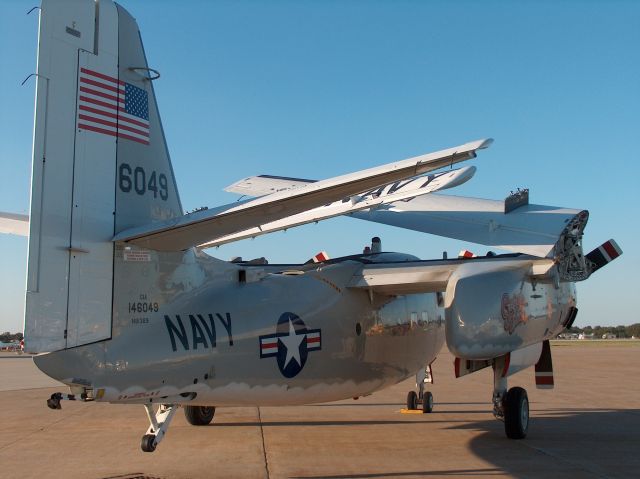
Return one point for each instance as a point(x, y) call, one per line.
point(39, 429)
point(264, 446)
point(560, 458)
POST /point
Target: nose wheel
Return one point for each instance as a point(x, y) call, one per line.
point(420, 401)
point(427, 402)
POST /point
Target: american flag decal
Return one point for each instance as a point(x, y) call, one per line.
point(112, 107)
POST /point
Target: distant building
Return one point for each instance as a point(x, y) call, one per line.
point(9, 346)
point(568, 336)
point(609, 336)
point(585, 336)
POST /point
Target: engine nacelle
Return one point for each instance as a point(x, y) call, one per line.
point(494, 308)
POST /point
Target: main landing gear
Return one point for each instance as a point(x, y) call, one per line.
point(510, 406)
point(199, 415)
point(423, 399)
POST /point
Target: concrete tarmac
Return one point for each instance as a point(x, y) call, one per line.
point(589, 426)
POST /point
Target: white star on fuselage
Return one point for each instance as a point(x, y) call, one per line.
point(292, 343)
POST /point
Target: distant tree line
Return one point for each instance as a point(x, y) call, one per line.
point(597, 331)
point(8, 337)
point(619, 331)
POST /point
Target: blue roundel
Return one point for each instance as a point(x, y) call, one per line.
point(291, 344)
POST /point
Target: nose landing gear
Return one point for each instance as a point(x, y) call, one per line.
point(422, 398)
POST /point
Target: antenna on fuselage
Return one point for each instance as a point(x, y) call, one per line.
point(376, 245)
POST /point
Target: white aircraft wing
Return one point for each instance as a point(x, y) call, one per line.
point(530, 229)
point(265, 185)
point(204, 226)
point(398, 191)
point(14, 224)
point(430, 276)
point(405, 278)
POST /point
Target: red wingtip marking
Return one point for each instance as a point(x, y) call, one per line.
point(611, 250)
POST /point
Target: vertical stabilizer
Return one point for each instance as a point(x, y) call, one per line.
point(100, 164)
point(146, 189)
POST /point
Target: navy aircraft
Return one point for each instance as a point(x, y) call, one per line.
point(124, 306)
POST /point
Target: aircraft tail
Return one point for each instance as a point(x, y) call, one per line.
point(100, 165)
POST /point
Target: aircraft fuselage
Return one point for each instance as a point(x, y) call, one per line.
point(187, 330)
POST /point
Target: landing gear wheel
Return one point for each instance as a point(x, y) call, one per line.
point(412, 400)
point(427, 402)
point(199, 415)
point(516, 413)
point(148, 443)
point(54, 401)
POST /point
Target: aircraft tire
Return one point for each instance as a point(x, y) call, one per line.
point(427, 402)
point(412, 400)
point(516, 413)
point(199, 415)
point(148, 443)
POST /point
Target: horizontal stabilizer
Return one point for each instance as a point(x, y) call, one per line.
point(14, 224)
point(265, 185)
point(603, 255)
point(204, 226)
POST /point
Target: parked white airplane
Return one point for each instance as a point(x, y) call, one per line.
point(127, 308)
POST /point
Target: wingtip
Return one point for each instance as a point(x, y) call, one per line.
point(486, 143)
point(478, 144)
point(615, 246)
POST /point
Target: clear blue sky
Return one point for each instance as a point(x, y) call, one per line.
point(317, 89)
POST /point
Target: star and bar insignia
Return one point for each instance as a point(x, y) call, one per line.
point(291, 344)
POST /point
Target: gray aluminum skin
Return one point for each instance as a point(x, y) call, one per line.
point(141, 363)
point(493, 308)
point(493, 305)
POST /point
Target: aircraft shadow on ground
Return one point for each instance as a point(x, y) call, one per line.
point(561, 442)
point(442, 473)
point(356, 404)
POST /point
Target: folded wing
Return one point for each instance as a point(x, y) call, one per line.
point(394, 192)
point(265, 185)
point(531, 229)
point(205, 226)
point(14, 224)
